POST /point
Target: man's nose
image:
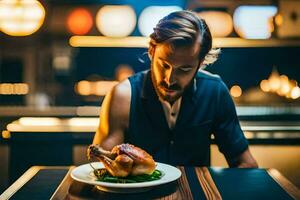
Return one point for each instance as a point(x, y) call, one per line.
point(170, 76)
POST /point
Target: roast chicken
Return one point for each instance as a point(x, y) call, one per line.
point(123, 160)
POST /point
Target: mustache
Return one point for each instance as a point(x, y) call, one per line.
point(169, 87)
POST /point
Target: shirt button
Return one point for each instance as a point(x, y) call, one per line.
point(171, 142)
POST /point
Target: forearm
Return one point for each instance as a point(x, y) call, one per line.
point(98, 138)
point(108, 141)
point(244, 160)
point(247, 165)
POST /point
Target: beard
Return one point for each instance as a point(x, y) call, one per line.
point(161, 87)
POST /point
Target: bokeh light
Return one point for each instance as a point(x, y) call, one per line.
point(220, 23)
point(14, 88)
point(116, 21)
point(123, 71)
point(295, 92)
point(236, 91)
point(281, 85)
point(254, 22)
point(83, 87)
point(21, 17)
point(274, 81)
point(151, 15)
point(264, 85)
point(79, 21)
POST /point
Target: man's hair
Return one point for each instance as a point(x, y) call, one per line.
point(183, 28)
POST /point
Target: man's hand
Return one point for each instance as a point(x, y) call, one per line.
point(244, 160)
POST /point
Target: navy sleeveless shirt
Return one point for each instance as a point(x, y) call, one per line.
point(206, 108)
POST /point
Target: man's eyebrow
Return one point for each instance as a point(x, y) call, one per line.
point(182, 66)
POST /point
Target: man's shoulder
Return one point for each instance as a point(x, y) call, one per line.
point(205, 75)
point(137, 77)
point(122, 90)
point(119, 101)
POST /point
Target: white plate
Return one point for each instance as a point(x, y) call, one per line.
point(84, 173)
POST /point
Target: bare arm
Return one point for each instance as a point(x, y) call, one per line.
point(244, 160)
point(114, 116)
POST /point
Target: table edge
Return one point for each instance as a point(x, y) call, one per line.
point(20, 182)
point(59, 187)
point(290, 188)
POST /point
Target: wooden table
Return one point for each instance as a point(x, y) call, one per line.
point(40, 182)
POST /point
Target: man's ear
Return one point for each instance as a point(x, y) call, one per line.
point(151, 51)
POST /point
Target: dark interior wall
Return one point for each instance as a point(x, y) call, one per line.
point(243, 66)
point(11, 71)
point(248, 66)
point(104, 61)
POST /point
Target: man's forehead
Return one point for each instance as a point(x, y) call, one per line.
point(167, 50)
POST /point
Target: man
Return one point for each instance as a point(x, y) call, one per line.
point(171, 110)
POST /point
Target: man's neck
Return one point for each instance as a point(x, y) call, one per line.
point(171, 103)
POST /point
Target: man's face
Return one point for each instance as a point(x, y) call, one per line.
point(173, 69)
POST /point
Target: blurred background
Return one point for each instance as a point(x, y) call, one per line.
point(58, 59)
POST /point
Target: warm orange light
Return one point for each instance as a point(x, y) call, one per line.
point(284, 85)
point(83, 121)
point(41, 121)
point(295, 92)
point(123, 72)
point(101, 41)
point(6, 134)
point(21, 17)
point(80, 21)
point(236, 91)
point(99, 88)
point(274, 81)
point(83, 88)
point(281, 85)
point(116, 20)
point(279, 20)
point(264, 86)
point(14, 88)
point(220, 23)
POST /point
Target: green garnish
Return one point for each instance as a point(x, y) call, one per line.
point(105, 176)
